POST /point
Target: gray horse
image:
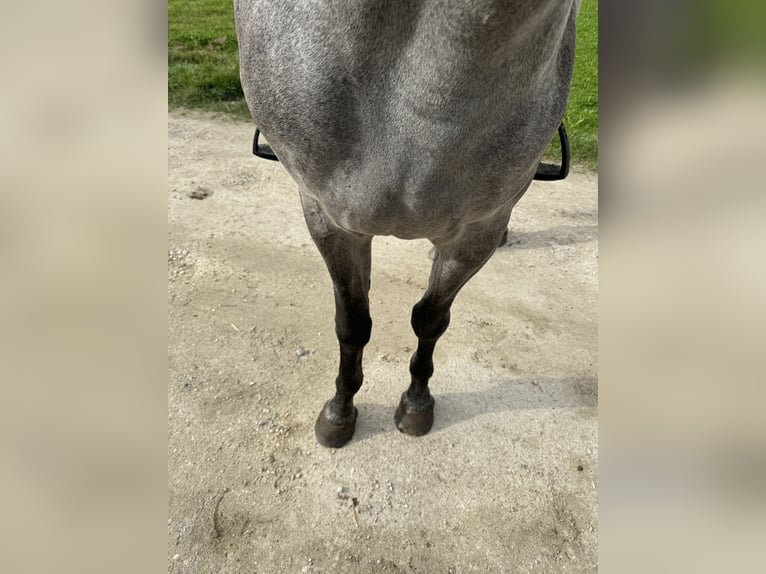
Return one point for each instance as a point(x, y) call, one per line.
point(412, 118)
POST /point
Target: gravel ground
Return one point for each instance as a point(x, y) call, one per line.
point(507, 479)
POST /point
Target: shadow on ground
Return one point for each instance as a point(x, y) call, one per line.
point(557, 235)
point(506, 396)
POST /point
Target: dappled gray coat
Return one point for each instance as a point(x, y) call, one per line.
point(419, 119)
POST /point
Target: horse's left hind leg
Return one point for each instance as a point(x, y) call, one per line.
point(456, 261)
point(347, 257)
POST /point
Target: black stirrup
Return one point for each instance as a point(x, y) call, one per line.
point(552, 172)
point(263, 151)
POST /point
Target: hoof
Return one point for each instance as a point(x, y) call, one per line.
point(415, 419)
point(333, 431)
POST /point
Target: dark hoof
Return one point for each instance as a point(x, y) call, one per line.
point(334, 431)
point(415, 419)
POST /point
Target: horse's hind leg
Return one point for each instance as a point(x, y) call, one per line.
point(455, 262)
point(348, 260)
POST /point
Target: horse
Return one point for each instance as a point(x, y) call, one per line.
point(411, 118)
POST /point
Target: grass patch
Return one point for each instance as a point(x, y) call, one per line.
point(203, 69)
point(581, 119)
point(203, 62)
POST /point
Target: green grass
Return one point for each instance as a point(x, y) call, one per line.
point(203, 69)
point(203, 65)
point(581, 119)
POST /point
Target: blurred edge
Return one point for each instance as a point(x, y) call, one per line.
point(682, 278)
point(82, 305)
point(82, 298)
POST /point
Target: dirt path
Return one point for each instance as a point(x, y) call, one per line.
point(505, 482)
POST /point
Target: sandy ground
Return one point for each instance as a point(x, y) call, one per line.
point(507, 479)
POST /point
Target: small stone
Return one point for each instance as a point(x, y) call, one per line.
point(580, 467)
point(200, 193)
point(176, 556)
point(301, 352)
point(343, 492)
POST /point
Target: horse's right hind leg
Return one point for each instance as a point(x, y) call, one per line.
point(456, 261)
